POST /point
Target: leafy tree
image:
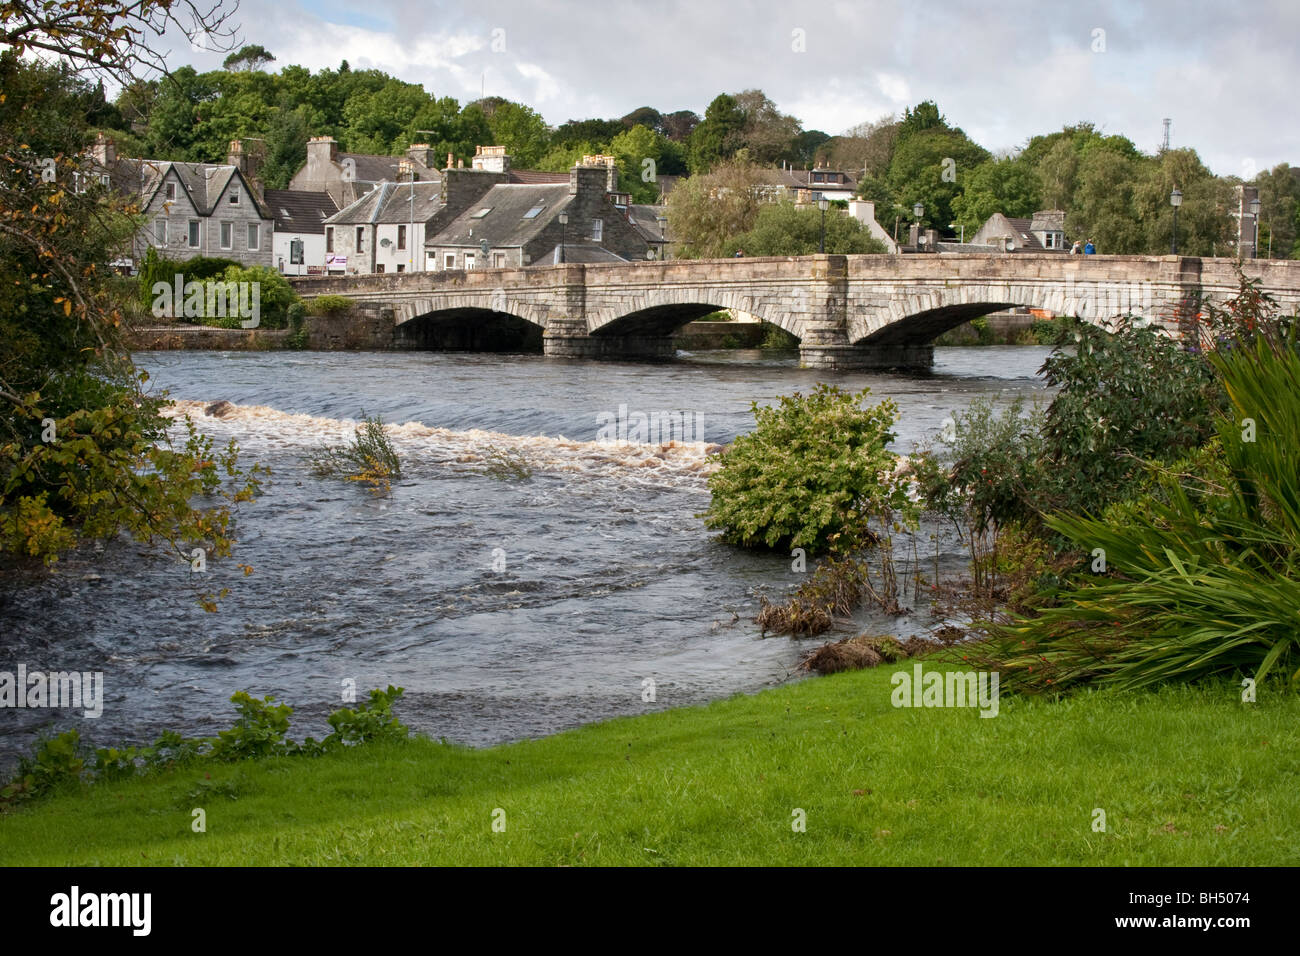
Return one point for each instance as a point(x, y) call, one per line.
point(929, 167)
point(808, 147)
point(1008, 186)
point(632, 148)
point(678, 126)
point(706, 210)
point(251, 57)
point(1103, 207)
point(866, 149)
point(719, 136)
point(769, 135)
point(646, 116)
point(521, 131)
point(586, 131)
point(286, 147)
point(1279, 197)
point(83, 452)
point(784, 229)
point(924, 116)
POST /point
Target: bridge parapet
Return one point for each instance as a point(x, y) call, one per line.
point(847, 311)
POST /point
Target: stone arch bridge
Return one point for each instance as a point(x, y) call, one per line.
point(847, 311)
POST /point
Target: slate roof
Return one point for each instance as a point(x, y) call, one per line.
point(588, 254)
point(299, 211)
point(377, 169)
point(644, 220)
point(391, 203)
point(1027, 240)
point(505, 226)
point(803, 179)
point(203, 182)
point(536, 177)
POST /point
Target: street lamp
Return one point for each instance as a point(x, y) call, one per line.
point(918, 210)
point(663, 235)
point(564, 223)
point(1175, 200)
point(823, 204)
point(1254, 214)
point(953, 225)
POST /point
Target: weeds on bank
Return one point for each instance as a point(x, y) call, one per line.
point(260, 731)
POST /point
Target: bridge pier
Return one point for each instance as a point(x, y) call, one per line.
point(568, 338)
point(843, 357)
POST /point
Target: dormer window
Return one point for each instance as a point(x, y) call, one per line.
point(234, 195)
point(170, 189)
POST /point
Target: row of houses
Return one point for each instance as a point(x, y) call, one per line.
point(355, 213)
point(349, 213)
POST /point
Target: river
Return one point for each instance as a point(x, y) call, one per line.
point(506, 608)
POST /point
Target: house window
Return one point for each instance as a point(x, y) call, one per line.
point(449, 260)
point(401, 237)
point(379, 267)
point(295, 252)
point(401, 267)
point(329, 238)
point(105, 180)
point(469, 260)
point(254, 236)
point(361, 237)
point(171, 192)
point(498, 260)
point(160, 232)
point(1049, 240)
point(194, 233)
point(597, 229)
point(227, 235)
point(535, 211)
point(234, 195)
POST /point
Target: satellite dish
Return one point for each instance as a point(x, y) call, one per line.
point(385, 242)
point(483, 246)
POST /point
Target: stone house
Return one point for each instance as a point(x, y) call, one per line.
point(298, 247)
point(349, 176)
point(1045, 232)
point(384, 230)
point(191, 209)
point(516, 224)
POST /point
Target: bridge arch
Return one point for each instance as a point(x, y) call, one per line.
point(925, 314)
point(661, 311)
point(494, 325)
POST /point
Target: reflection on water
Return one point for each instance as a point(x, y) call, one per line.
point(608, 575)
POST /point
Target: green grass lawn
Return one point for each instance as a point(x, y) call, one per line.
point(1185, 776)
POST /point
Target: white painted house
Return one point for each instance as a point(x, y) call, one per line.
point(298, 247)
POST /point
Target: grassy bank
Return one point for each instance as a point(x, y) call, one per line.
point(1185, 776)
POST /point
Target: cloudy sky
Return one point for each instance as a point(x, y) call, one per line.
point(1224, 72)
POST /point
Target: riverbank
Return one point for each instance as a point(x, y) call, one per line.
point(1185, 776)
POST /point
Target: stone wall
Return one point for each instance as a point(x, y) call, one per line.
point(364, 328)
point(171, 337)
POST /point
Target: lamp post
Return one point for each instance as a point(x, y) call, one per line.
point(918, 210)
point(823, 204)
point(663, 236)
point(564, 224)
point(1175, 200)
point(962, 226)
point(1254, 214)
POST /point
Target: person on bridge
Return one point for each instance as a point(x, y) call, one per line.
point(1089, 249)
point(740, 253)
point(1076, 248)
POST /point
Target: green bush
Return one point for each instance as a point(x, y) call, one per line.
point(777, 338)
point(1201, 576)
point(276, 295)
point(329, 305)
point(812, 474)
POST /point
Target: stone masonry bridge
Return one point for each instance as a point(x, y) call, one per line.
point(872, 311)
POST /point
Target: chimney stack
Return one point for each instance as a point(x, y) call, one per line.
point(104, 151)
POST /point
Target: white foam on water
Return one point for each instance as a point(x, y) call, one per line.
point(670, 463)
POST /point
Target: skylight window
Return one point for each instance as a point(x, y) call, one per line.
point(482, 212)
point(535, 211)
